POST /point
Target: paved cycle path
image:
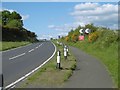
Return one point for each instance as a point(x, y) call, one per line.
point(90, 72)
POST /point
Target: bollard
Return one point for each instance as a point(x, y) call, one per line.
point(65, 52)
point(58, 59)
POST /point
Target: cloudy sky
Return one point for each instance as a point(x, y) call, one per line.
point(50, 19)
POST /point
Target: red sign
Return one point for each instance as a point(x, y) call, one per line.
point(81, 38)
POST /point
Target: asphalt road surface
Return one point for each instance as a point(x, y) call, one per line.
point(20, 61)
point(90, 72)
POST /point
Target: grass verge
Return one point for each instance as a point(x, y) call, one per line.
point(48, 75)
point(9, 45)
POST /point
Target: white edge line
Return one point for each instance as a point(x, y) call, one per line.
point(12, 84)
point(38, 46)
point(31, 50)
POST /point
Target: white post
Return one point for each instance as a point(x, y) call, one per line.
point(58, 59)
point(65, 52)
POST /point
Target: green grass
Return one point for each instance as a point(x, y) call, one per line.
point(9, 45)
point(107, 55)
point(49, 76)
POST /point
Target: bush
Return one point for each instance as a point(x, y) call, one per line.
point(106, 38)
point(93, 36)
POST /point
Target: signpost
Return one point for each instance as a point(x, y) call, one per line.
point(81, 37)
point(58, 37)
point(82, 33)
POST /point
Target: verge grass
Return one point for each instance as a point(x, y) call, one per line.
point(9, 45)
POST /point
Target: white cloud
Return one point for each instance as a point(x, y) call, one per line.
point(86, 6)
point(63, 28)
point(51, 26)
point(24, 17)
point(99, 14)
point(62, 34)
point(96, 13)
point(46, 36)
point(0, 9)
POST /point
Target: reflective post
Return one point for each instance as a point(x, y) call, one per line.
point(58, 59)
point(65, 52)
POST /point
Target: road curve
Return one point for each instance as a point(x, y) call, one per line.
point(19, 62)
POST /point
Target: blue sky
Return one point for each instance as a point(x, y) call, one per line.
point(50, 19)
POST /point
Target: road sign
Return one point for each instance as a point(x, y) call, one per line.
point(81, 38)
point(58, 37)
point(81, 31)
point(87, 30)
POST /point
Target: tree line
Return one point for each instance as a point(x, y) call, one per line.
point(11, 24)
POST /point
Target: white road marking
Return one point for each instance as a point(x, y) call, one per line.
point(25, 76)
point(31, 50)
point(40, 45)
point(17, 56)
point(37, 47)
point(24, 53)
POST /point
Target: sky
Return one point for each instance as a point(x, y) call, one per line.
point(50, 19)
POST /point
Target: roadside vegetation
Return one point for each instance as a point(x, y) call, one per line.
point(12, 27)
point(13, 32)
point(101, 43)
point(9, 45)
point(49, 76)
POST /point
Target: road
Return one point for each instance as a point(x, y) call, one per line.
point(20, 61)
point(90, 72)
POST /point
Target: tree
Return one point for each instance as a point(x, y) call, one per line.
point(15, 23)
point(5, 17)
point(91, 27)
point(0, 15)
point(66, 38)
point(11, 19)
point(15, 15)
point(12, 28)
